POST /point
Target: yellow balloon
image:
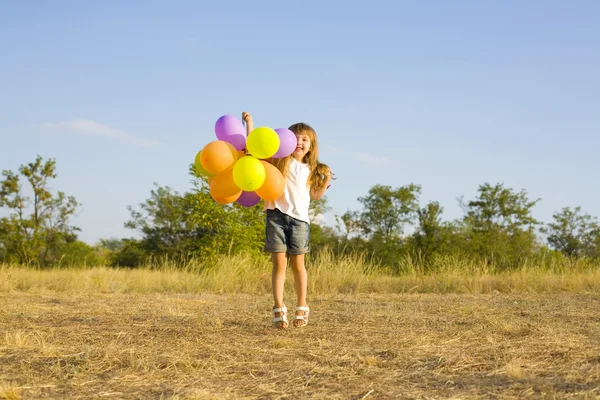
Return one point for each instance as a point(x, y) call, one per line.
point(249, 173)
point(262, 142)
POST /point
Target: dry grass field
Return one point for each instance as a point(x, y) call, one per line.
point(109, 334)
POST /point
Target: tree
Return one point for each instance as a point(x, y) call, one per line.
point(432, 234)
point(112, 244)
point(229, 228)
point(498, 225)
point(318, 208)
point(321, 236)
point(164, 220)
point(130, 254)
point(192, 224)
point(348, 224)
point(500, 207)
point(37, 227)
point(176, 225)
point(573, 233)
point(377, 229)
point(387, 210)
point(79, 254)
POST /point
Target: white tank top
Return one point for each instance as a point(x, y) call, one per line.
point(296, 195)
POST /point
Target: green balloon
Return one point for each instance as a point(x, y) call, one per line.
point(263, 142)
point(249, 173)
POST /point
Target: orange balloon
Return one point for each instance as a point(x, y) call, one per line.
point(274, 184)
point(226, 200)
point(223, 185)
point(200, 170)
point(218, 156)
point(234, 152)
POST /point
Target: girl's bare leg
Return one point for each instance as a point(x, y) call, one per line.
point(278, 282)
point(300, 282)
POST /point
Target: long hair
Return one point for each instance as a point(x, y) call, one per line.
point(311, 158)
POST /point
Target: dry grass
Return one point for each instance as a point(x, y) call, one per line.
point(327, 276)
point(205, 333)
point(150, 346)
point(209, 346)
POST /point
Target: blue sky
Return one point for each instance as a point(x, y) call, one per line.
point(445, 94)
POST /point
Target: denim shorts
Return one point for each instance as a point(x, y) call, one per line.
point(286, 234)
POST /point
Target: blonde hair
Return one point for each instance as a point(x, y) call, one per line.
point(311, 158)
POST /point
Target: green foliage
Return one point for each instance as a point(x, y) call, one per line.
point(130, 254)
point(500, 207)
point(37, 229)
point(318, 208)
point(165, 223)
point(192, 225)
point(377, 229)
point(322, 237)
point(498, 226)
point(432, 235)
point(80, 254)
point(112, 244)
point(573, 233)
point(387, 210)
point(348, 224)
point(497, 231)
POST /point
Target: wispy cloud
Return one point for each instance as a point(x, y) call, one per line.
point(87, 127)
point(370, 159)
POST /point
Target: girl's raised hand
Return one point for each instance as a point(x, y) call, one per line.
point(246, 117)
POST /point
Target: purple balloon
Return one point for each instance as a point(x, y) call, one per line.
point(230, 129)
point(248, 199)
point(287, 142)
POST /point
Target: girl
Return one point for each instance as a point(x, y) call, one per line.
point(288, 230)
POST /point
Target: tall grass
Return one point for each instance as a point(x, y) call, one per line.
point(328, 274)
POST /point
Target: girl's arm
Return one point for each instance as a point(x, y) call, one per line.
point(247, 118)
point(316, 194)
point(323, 171)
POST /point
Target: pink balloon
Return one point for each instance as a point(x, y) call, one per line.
point(287, 142)
point(230, 129)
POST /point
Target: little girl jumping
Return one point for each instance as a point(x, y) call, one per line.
point(288, 222)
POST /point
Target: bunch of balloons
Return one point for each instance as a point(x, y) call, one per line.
point(235, 164)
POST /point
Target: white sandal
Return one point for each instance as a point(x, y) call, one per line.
point(282, 318)
point(303, 318)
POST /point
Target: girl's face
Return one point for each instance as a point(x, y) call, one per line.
point(302, 147)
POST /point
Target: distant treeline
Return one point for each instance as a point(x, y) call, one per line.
point(497, 228)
